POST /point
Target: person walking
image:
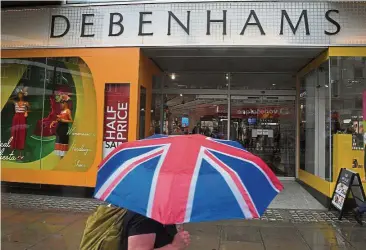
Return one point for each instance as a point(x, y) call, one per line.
point(359, 211)
point(146, 234)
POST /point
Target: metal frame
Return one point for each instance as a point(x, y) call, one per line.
point(225, 92)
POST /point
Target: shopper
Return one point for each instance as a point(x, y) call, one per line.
point(145, 234)
point(359, 211)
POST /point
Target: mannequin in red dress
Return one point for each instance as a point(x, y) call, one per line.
point(19, 123)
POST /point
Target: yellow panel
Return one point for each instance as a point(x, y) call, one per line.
point(343, 155)
point(347, 51)
point(316, 182)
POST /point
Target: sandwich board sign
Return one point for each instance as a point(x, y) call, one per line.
point(348, 185)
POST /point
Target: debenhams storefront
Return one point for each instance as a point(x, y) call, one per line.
point(287, 79)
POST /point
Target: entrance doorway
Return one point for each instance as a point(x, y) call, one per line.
point(264, 125)
point(246, 95)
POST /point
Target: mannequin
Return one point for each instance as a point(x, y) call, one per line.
point(62, 126)
point(19, 123)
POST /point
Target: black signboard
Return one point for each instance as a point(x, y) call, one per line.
point(348, 185)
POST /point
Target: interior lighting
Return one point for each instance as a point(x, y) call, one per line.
point(173, 76)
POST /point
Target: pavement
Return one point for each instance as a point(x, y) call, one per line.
point(42, 227)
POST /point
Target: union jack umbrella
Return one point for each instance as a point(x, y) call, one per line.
point(190, 178)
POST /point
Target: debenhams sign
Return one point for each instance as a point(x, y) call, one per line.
point(116, 25)
point(267, 23)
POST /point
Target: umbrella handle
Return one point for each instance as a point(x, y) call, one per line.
point(180, 227)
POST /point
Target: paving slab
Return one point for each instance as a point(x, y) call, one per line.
point(294, 196)
point(44, 228)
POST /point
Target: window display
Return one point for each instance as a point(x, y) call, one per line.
point(48, 115)
point(19, 123)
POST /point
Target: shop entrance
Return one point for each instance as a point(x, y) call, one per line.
point(247, 95)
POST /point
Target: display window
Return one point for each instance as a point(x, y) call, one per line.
point(347, 96)
point(48, 114)
point(332, 118)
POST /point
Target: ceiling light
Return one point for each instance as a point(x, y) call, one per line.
point(227, 76)
point(181, 94)
point(173, 76)
point(273, 84)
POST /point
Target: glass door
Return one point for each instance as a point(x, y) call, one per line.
point(195, 114)
point(264, 125)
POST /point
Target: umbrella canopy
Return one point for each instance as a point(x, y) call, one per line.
point(190, 178)
point(228, 142)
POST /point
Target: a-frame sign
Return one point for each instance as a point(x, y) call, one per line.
point(349, 185)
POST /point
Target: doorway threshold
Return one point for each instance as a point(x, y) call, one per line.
point(294, 196)
point(282, 178)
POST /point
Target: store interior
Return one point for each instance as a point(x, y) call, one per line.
point(246, 95)
point(253, 96)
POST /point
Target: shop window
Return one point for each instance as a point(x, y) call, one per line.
point(348, 102)
point(348, 84)
point(315, 138)
point(47, 122)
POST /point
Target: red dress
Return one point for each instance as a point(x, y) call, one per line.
point(19, 127)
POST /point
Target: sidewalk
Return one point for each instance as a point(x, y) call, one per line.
point(36, 229)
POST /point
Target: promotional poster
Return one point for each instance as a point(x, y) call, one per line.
point(116, 113)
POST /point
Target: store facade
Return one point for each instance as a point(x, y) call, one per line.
point(97, 59)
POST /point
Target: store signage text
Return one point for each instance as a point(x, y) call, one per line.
point(145, 25)
point(116, 126)
point(116, 115)
point(261, 111)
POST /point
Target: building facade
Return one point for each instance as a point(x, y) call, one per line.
point(285, 78)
